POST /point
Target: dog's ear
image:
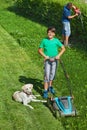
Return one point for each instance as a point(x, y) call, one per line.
point(26, 86)
point(23, 87)
point(31, 86)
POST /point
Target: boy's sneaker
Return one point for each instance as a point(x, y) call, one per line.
point(45, 94)
point(51, 90)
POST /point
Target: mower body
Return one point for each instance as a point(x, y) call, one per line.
point(65, 106)
point(62, 106)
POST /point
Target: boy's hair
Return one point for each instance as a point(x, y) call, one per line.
point(52, 29)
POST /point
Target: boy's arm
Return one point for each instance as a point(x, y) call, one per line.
point(40, 51)
point(60, 53)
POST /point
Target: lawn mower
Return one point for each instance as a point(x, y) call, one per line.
point(76, 10)
point(62, 106)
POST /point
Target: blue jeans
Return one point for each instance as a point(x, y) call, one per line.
point(49, 70)
point(66, 29)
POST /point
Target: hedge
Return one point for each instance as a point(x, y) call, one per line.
point(49, 13)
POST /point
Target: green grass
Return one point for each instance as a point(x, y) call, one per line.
point(20, 64)
point(15, 63)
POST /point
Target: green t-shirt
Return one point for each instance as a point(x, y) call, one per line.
point(50, 46)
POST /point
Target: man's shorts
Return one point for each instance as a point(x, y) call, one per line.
point(66, 29)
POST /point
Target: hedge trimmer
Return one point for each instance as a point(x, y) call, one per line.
point(78, 11)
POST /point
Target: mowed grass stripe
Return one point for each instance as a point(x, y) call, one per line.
point(12, 64)
point(15, 62)
point(15, 57)
point(10, 67)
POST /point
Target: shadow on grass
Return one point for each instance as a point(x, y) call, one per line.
point(37, 84)
point(44, 13)
point(49, 14)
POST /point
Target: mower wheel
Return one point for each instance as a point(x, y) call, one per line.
point(57, 115)
point(76, 113)
point(55, 106)
point(49, 104)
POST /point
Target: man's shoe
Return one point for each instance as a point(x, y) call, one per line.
point(51, 90)
point(68, 45)
point(45, 94)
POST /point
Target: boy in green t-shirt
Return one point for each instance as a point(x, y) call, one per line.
point(49, 50)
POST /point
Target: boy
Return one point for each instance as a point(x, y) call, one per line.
point(49, 50)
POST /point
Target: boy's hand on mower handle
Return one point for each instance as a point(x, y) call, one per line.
point(46, 57)
point(57, 57)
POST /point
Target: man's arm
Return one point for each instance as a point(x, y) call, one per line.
point(72, 16)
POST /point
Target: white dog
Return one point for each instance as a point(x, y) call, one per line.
point(25, 96)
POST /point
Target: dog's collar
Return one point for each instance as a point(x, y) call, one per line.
point(27, 93)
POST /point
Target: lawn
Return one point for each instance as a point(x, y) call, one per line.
point(21, 64)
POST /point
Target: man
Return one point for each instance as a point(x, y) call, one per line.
point(66, 31)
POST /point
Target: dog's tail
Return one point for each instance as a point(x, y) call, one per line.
point(14, 95)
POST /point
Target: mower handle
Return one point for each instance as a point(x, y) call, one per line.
point(66, 76)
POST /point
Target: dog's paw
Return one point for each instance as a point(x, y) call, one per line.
point(43, 101)
point(38, 95)
point(31, 107)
